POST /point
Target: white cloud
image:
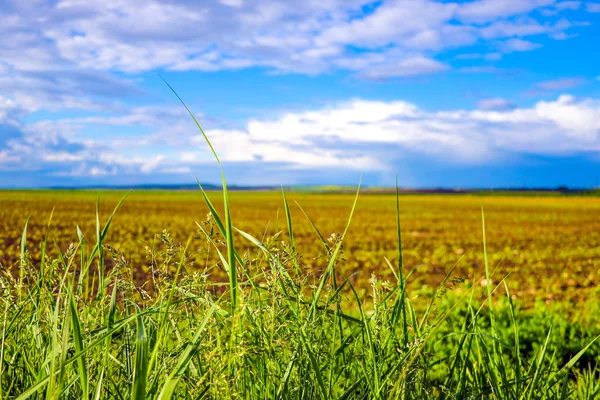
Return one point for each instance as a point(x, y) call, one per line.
point(488, 10)
point(486, 69)
point(502, 29)
point(513, 45)
point(419, 24)
point(558, 7)
point(478, 56)
point(62, 89)
point(311, 37)
point(61, 157)
point(237, 146)
point(6, 159)
point(496, 103)
point(7, 108)
point(177, 171)
point(562, 36)
point(593, 7)
point(561, 84)
point(566, 124)
point(232, 3)
point(492, 56)
point(523, 27)
point(568, 5)
point(148, 166)
point(358, 134)
point(418, 65)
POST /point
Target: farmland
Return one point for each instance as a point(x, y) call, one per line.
point(549, 244)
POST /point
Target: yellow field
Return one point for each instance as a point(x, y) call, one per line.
point(551, 245)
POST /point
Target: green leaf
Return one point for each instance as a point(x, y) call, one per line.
point(140, 371)
point(184, 359)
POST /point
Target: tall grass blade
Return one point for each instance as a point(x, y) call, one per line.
point(174, 377)
point(488, 277)
point(140, 372)
point(565, 369)
point(78, 341)
point(288, 219)
point(401, 300)
point(333, 258)
point(323, 241)
point(23, 257)
point(228, 230)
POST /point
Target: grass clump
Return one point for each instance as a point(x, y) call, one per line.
point(72, 328)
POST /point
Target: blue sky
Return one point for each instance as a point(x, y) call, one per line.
point(484, 93)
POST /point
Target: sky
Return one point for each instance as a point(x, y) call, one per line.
point(456, 94)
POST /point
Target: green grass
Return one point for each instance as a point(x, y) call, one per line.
point(71, 328)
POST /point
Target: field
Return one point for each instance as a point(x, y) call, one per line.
point(163, 300)
point(549, 244)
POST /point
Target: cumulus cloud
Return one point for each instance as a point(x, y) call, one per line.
point(135, 36)
point(420, 24)
point(566, 124)
point(357, 134)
